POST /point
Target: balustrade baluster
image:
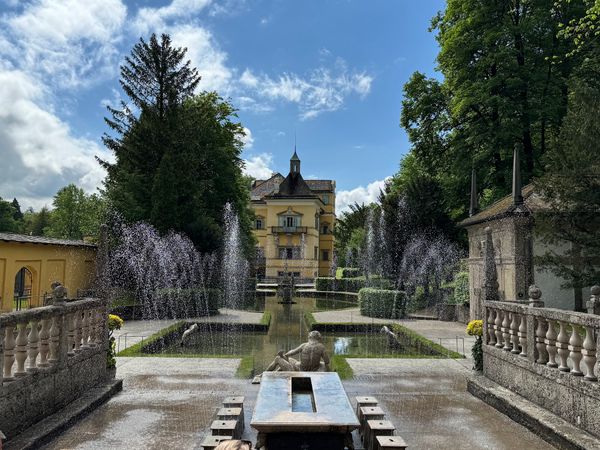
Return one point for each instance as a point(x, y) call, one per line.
point(93, 325)
point(44, 342)
point(589, 354)
point(9, 352)
point(21, 350)
point(33, 346)
point(523, 335)
point(540, 334)
point(78, 331)
point(514, 333)
point(551, 344)
point(54, 339)
point(490, 327)
point(562, 343)
point(85, 328)
point(71, 334)
point(498, 327)
point(575, 343)
point(506, 331)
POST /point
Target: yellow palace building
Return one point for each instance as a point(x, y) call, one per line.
point(294, 224)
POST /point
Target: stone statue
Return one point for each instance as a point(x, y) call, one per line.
point(311, 354)
point(59, 292)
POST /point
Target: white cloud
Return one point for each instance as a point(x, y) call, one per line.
point(72, 43)
point(205, 55)
point(322, 90)
point(259, 166)
point(359, 195)
point(38, 151)
point(150, 20)
point(247, 139)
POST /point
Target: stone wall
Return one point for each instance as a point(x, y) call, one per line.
point(547, 356)
point(51, 356)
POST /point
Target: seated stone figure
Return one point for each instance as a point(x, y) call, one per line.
point(311, 354)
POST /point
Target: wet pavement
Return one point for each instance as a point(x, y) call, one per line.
point(170, 402)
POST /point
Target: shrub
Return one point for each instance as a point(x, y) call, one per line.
point(350, 284)
point(381, 303)
point(191, 302)
point(461, 288)
point(347, 272)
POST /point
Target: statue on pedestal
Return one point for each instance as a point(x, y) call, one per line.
point(311, 354)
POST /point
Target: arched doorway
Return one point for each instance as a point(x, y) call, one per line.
point(23, 289)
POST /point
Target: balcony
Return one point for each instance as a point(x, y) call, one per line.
point(289, 230)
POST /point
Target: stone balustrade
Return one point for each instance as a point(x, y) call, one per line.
point(51, 354)
point(563, 340)
point(549, 356)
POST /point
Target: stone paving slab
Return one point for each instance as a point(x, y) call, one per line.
point(170, 403)
point(450, 335)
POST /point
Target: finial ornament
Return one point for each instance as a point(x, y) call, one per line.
point(516, 180)
point(474, 205)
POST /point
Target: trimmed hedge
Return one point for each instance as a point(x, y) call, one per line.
point(192, 302)
point(350, 284)
point(381, 303)
point(347, 272)
point(461, 288)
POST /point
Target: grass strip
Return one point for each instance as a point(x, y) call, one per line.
point(420, 341)
point(246, 368)
point(266, 319)
point(340, 365)
point(138, 349)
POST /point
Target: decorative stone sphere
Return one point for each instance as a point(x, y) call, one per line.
point(535, 292)
point(595, 290)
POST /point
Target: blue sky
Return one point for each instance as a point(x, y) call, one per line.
point(330, 72)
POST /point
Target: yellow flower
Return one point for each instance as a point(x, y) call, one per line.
point(114, 322)
point(475, 328)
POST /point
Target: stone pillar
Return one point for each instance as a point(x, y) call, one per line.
point(593, 304)
point(490, 276)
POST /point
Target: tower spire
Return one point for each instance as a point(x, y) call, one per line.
point(516, 177)
point(474, 205)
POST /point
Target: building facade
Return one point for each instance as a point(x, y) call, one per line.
point(294, 221)
point(29, 264)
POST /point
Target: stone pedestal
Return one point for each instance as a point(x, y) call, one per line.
point(303, 410)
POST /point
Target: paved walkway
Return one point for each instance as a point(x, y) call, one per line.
point(170, 403)
point(133, 331)
point(451, 335)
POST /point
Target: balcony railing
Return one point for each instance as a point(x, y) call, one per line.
point(289, 229)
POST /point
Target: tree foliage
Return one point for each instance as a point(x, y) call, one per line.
point(75, 215)
point(7, 217)
point(505, 76)
point(177, 154)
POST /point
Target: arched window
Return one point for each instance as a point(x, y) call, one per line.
point(23, 288)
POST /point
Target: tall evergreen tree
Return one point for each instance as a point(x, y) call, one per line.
point(18, 216)
point(157, 80)
point(7, 217)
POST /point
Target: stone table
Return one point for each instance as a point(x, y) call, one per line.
point(303, 410)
